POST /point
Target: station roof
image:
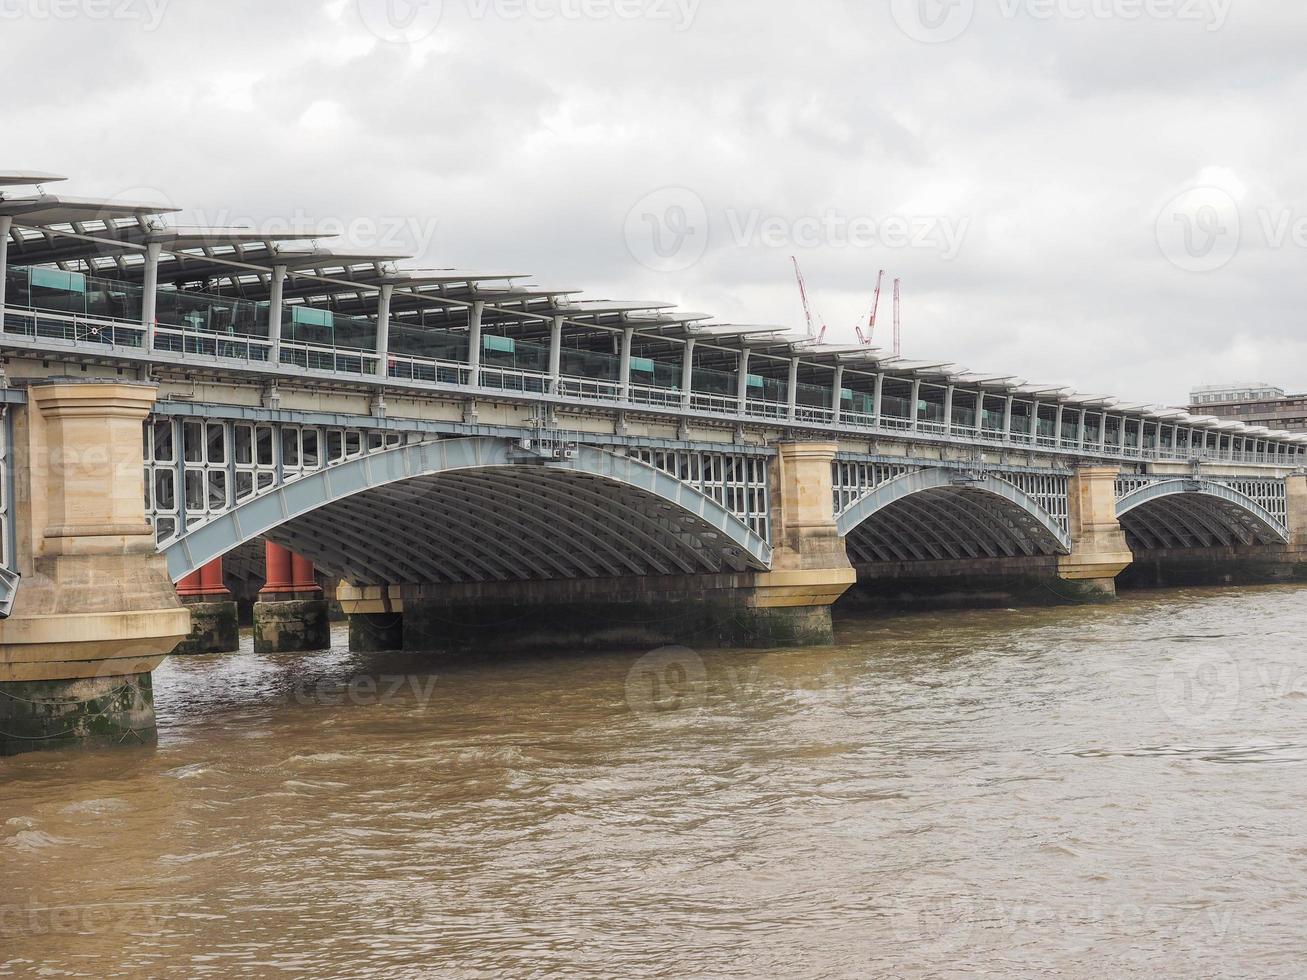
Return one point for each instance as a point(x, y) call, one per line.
point(107, 237)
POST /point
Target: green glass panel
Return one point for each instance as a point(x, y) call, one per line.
point(69, 282)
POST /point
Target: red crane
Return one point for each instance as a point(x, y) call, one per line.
point(865, 338)
point(813, 333)
point(898, 325)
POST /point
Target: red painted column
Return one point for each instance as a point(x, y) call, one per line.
point(302, 575)
point(279, 561)
point(191, 585)
point(211, 583)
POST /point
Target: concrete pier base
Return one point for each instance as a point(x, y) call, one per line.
point(732, 610)
point(214, 629)
point(1239, 565)
point(979, 583)
point(373, 632)
point(291, 626)
point(41, 715)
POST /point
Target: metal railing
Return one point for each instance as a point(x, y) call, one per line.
point(73, 330)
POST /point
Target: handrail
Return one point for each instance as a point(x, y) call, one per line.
point(73, 329)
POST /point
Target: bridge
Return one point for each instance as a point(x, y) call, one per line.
point(470, 460)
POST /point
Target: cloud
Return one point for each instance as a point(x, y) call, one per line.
point(529, 131)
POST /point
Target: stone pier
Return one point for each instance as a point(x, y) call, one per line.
point(291, 614)
point(214, 618)
point(95, 610)
point(1099, 552)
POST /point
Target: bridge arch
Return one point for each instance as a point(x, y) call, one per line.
point(481, 509)
point(938, 513)
point(1185, 513)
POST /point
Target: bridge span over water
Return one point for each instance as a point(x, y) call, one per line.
point(473, 459)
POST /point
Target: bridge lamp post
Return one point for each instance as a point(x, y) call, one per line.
point(150, 292)
point(687, 372)
point(742, 382)
point(276, 294)
point(555, 353)
point(624, 370)
point(792, 391)
point(383, 330)
point(474, 343)
point(6, 225)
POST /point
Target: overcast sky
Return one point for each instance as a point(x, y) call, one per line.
point(1110, 194)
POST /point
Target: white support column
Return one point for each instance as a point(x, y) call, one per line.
point(1034, 423)
point(837, 396)
point(948, 409)
point(1102, 431)
point(878, 397)
point(1007, 419)
point(474, 344)
point(150, 292)
point(6, 225)
point(980, 412)
point(1081, 432)
point(624, 362)
point(555, 353)
point(276, 290)
point(383, 331)
point(687, 372)
point(1189, 442)
point(915, 411)
point(742, 383)
point(792, 390)
point(1057, 425)
point(1120, 442)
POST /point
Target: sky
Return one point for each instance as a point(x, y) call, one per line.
point(1107, 194)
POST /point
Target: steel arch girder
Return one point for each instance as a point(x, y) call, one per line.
point(261, 514)
point(1206, 488)
point(934, 478)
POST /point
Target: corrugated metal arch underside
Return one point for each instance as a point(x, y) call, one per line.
point(471, 510)
point(927, 515)
point(1176, 514)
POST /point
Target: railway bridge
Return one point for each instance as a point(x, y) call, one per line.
point(473, 460)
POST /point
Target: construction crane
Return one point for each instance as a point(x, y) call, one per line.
point(865, 338)
point(813, 332)
point(898, 324)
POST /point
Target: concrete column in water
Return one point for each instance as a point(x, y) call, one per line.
point(1295, 492)
point(95, 612)
point(1099, 552)
point(810, 566)
point(214, 624)
point(291, 614)
point(376, 616)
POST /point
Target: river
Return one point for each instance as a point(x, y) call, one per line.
point(1080, 792)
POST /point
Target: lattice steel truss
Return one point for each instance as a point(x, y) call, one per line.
point(1049, 490)
point(738, 482)
point(218, 465)
point(853, 480)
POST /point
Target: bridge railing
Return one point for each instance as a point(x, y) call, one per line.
point(62, 329)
